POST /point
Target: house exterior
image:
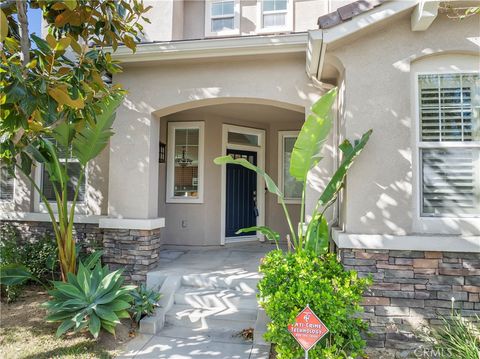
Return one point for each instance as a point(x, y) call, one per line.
point(238, 77)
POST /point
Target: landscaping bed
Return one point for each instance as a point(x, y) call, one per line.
point(24, 333)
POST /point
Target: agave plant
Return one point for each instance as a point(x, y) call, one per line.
point(144, 302)
point(92, 299)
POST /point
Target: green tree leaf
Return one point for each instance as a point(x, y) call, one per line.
point(94, 137)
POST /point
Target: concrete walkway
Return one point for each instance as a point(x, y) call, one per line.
point(213, 301)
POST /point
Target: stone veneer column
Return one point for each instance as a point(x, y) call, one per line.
point(410, 289)
point(136, 251)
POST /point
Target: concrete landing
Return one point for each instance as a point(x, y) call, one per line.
point(208, 298)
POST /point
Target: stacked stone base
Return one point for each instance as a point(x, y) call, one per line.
point(411, 290)
point(135, 251)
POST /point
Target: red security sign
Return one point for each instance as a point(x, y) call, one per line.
point(308, 329)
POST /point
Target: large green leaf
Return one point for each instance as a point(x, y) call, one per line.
point(94, 137)
point(63, 134)
point(94, 326)
point(66, 325)
point(13, 274)
point(69, 290)
point(317, 237)
point(92, 260)
point(313, 135)
point(105, 313)
point(349, 154)
point(271, 186)
point(267, 232)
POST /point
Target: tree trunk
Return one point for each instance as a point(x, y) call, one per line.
point(24, 38)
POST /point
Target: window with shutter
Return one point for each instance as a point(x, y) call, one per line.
point(449, 144)
point(73, 172)
point(6, 184)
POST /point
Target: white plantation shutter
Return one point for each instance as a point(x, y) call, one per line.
point(450, 177)
point(449, 106)
point(6, 185)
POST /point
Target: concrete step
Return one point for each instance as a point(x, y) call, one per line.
point(217, 334)
point(240, 282)
point(211, 318)
point(215, 298)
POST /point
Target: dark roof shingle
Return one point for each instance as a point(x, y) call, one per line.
point(347, 12)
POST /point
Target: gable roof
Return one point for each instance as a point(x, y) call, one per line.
point(347, 12)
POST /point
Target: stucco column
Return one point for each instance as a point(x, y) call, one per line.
point(133, 171)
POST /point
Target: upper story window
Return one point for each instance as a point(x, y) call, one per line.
point(275, 15)
point(449, 144)
point(6, 184)
point(185, 162)
point(291, 188)
point(222, 17)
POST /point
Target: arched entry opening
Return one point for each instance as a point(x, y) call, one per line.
point(205, 204)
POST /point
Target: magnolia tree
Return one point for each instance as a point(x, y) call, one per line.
point(56, 101)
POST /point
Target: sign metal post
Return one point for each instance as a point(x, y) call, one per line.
point(308, 329)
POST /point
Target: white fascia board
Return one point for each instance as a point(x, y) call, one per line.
point(132, 223)
point(348, 28)
point(195, 49)
point(424, 14)
point(314, 52)
point(419, 242)
point(45, 217)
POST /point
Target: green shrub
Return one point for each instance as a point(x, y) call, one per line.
point(293, 280)
point(457, 337)
point(144, 302)
point(92, 299)
point(39, 257)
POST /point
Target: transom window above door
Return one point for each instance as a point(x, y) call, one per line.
point(449, 144)
point(222, 17)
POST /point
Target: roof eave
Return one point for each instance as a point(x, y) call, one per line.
point(221, 47)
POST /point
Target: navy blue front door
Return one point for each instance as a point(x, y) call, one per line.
point(241, 208)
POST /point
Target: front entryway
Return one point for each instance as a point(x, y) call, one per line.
point(241, 197)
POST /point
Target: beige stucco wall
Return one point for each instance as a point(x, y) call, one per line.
point(185, 19)
point(157, 91)
point(379, 70)
point(203, 219)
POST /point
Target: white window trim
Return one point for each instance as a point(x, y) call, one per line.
point(281, 136)
point(38, 205)
point(209, 17)
point(172, 126)
point(444, 223)
point(288, 27)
